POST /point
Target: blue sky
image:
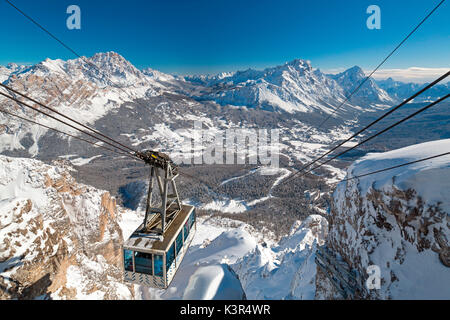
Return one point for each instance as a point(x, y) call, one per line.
point(205, 36)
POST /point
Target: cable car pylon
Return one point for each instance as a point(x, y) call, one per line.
point(164, 172)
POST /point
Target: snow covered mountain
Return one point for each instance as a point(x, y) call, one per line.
point(86, 89)
point(292, 87)
point(369, 93)
point(61, 239)
point(10, 69)
point(77, 228)
point(144, 108)
point(400, 90)
point(58, 239)
point(287, 269)
point(397, 220)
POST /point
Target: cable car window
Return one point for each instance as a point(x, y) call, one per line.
point(158, 263)
point(179, 242)
point(170, 256)
point(128, 260)
point(186, 230)
point(143, 262)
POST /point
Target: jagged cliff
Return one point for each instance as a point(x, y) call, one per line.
point(285, 270)
point(397, 220)
point(58, 239)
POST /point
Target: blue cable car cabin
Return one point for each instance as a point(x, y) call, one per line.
point(153, 262)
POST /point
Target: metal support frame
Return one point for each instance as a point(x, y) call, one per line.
point(170, 202)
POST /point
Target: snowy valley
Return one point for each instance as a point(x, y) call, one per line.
point(66, 208)
point(62, 240)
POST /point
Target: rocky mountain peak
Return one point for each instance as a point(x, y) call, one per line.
point(369, 92)
point(299, 64)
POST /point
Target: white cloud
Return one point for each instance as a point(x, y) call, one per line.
point(332, 71)
point(413, 74)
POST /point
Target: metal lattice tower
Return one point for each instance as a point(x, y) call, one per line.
point(158, 218)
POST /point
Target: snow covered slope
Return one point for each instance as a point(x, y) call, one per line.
point(62, 240)
point(398, 220)
point(214, 282)
point(85, 89)
point(10, 70)
point(58, 239)
point(285, 270)
point(261, 268)
point(217, 244)
point(143, 108)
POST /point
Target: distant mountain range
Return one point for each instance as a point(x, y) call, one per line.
point(292, 87)
point(400, 90)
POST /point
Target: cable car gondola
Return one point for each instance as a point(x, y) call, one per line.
point(153, 253)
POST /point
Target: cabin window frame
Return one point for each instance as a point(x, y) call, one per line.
point(163, 264)
point(186, 229)
point(152, 264)
point(176, 243)
point(167, 267)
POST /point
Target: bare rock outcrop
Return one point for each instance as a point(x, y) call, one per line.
point(58, 239)
point(397, 221)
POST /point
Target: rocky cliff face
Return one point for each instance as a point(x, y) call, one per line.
point(398, 220)
point(58, 239)
point(85, 89)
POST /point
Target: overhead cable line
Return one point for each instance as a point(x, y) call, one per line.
point(62, 121)
point(382, 62)
point(64, 116)
point(371, 124)
point(91, 64)
point(123, 153)
point(381, 132)
point(67, 46)
point(79, 56)
point(373, 71)
point(94, 144)
point(395, 167)
point(57, 39)
point(42, 28)
point(65, 133)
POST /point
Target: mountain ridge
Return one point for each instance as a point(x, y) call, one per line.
point(293, 86)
